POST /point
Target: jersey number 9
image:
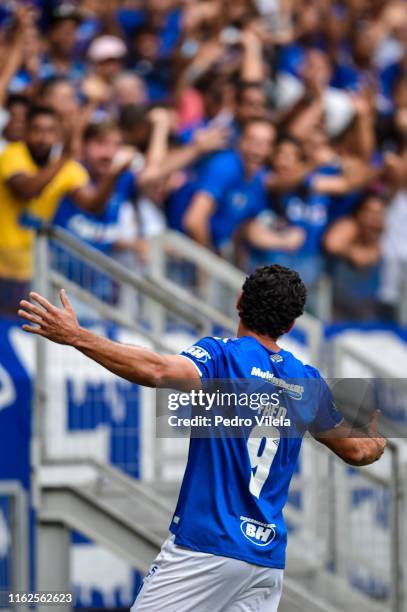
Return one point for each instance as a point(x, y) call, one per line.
point(262, 451)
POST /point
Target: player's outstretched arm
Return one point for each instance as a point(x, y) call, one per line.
point(136, 364)
point(355, 447)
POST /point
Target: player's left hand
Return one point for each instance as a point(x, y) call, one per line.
point(373, 432)
point(57, 324)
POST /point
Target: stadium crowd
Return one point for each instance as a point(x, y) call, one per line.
point(266, 130)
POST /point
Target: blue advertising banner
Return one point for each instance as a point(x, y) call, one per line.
point(15, 407)
point(92, 411)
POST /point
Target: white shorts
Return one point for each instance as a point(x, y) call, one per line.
point(182, 580)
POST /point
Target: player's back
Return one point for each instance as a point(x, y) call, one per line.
point(237, 477)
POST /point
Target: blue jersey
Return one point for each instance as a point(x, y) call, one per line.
point(169, 33)
point(237, 198)
point(310, 212)
point(101, 230)
point(235, 488)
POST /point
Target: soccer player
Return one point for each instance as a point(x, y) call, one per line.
point(226, 550)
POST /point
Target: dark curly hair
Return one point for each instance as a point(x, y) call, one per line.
point(273, 297)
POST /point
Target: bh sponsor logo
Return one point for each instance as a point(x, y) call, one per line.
point(261, 534)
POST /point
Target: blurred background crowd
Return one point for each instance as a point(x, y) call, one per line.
point(269, 131)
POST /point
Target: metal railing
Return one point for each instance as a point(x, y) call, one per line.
point(14, 537)
point(390, 395)
point(352, 518)
point(59, 267)
point(217, 282)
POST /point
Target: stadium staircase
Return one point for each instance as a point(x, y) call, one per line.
point(130, 517)
point(131, 520)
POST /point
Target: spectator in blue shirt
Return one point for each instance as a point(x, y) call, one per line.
point(340, 175)
point(159, 14)
point(60, 59)
point(355, 243)
point(102, 150)
point(101, 230)
point(300, 207)
point(148, 64)
point(230, 189)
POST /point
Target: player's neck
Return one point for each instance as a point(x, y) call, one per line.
point(264, 340)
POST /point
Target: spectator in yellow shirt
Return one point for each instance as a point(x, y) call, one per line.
point(34, 175)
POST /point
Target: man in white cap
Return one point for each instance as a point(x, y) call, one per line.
point(107, 54)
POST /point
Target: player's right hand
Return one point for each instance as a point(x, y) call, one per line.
point(59, 325)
